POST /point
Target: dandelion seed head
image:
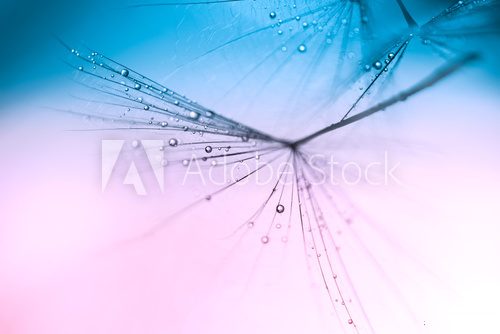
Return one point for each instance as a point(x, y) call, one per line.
point(344, 37)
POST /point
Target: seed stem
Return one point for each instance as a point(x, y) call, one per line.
point(409, 19)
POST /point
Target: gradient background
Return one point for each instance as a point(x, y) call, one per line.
point(55, 222)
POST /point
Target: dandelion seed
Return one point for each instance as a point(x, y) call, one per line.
point(327, 23)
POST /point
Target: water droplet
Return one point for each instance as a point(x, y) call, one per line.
point(137, 86)
point(146, 107)
point(350, 322)
point(264, 239)
point(194, 115)
point(80, 68)
point(124, 72)
point(173, 142)
point(391, 55)
point(163, 124)
point(302, 48)
point(185, 162)
point(377, 65)
point(250, 224)
point(208, 149)
point(272, 15)
point(135, 143)
point(280, 208)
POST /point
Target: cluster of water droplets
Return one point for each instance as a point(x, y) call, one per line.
point(325, 20)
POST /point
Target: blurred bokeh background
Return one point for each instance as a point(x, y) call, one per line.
point(439, 275)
